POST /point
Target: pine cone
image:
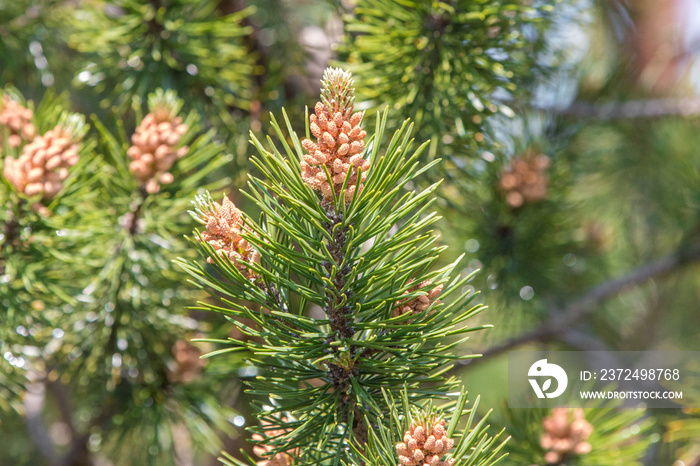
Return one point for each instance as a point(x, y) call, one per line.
point(420, 303)
point(18, 120)
point(425, 443)
point(339, 139)
point(525, 180)
point(224, 225)
point(155, 142)
point(154, 150)
point(43, 165)
point(565, 433)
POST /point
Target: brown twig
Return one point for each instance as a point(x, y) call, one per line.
point(647, 108)
point(566, 319)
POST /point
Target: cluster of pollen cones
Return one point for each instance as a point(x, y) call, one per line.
point(43, 165)
point(339, 140)
point(224, 225)
point(424, 444)
point(155, 149)
point(566, 432)
point(18, 120)
point(264, 451)
point(420, 303)
point(526, 180)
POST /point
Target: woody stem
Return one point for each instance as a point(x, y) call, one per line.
point(338, 311)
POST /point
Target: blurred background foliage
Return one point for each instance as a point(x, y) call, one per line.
point(568, 132)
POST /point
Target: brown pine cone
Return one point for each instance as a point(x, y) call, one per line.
point(420, 303)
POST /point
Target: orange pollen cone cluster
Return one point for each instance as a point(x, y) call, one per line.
point(525, 180)
point(18, 120)
point(339, 141)
point(154, 149)
point(566, 432)
point(224, 225)
point(43, 164)
point(424, 444)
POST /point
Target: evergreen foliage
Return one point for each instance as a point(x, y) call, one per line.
point(342, 299)
point(617, 436)
point(354, 259)
point(126, 329)
point(27, 29)
point(32, 265)
point(447, 65)
point(83, 264)
point(132, 47)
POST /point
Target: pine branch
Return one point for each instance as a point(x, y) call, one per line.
point(339, 315)
point(391, 42)
point(646, 108)
point(119, 243)
point(131, 225)
point(205, 58)
point(356, 244)
point(562, 321)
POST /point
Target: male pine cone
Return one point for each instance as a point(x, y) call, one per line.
point(155, 143)
point(525, 180)
point(420, 303)
point(425, 443)
point(224, 226)
point(339, 140)
point(566, 432)
point(43, 165)
point(18, 120)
